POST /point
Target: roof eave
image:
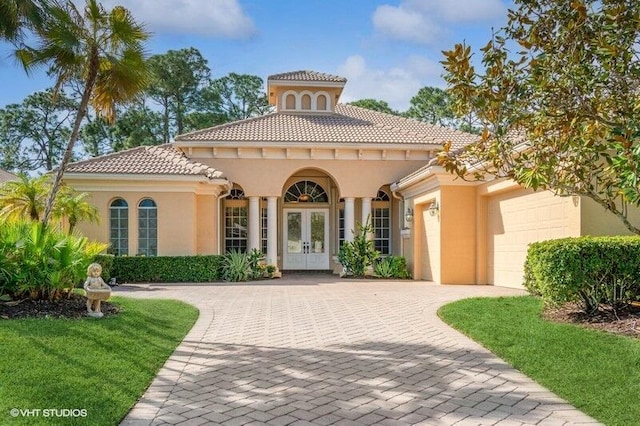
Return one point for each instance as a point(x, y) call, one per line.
point(305, 83)
point(163, 177)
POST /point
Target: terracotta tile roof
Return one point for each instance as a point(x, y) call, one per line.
point(349, 124)
point(437, 133)
point(145, 160)
point(6, 176)
point(305, 75)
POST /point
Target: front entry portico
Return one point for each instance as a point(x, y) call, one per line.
point(306, 239)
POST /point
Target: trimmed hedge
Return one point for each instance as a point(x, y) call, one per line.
point(592, 270)
point(132, 269)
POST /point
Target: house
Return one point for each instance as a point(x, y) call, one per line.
point(294, 183)
point(6, 176)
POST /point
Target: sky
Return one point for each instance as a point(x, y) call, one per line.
point(387, 49)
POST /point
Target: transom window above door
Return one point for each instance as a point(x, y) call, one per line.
point(306, 191)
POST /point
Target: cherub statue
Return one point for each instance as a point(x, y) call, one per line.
point(97, 290)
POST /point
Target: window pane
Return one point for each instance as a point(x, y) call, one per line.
point(294, 232)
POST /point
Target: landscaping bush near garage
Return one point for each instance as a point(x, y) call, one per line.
point(161, 268)
point(594, 271)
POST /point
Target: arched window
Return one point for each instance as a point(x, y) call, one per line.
point(119, 227)
point(235, 221)
point(306, 101)
point(382, 196)
point(237, 194)
point(306, 191)
point(381, 222)
point(147, 227)
point(322, 103)
point(290, 101)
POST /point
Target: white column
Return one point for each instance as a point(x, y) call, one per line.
point(272, 231)
point(349, 218)
point(254, 223)
point(366, 212)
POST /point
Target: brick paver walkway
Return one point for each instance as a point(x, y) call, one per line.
point(320, 351)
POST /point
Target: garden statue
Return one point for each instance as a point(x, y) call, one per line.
point(97, 290)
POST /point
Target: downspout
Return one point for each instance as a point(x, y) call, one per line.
point(402, 224)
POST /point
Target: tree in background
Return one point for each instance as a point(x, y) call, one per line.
point(375, 105)
point(37, 129)
point(563, 113)
point(432, 105)
point(229, 98)
point(103, 49)
point(241, 96)
point(176, 78)
point(137, 125)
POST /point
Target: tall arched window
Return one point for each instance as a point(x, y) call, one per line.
point(381, 222)
point(119, 227)
point(147, 227)
point(235, 221)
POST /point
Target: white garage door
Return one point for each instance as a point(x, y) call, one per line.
point(516, 219)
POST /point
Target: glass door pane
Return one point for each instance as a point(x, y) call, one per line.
point(294, 232)
point(317, 232)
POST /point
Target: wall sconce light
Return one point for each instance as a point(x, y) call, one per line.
point(433, 209)
point(408, 215)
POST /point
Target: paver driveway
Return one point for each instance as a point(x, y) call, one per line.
point(320, 351)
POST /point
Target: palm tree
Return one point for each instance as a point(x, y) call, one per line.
point(74, 207)
point(24, 198)
point(102, 49)
point(16, 16)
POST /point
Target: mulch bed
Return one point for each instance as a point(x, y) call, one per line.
point(627, 321)
point(74, 307)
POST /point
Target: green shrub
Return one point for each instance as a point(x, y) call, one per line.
point(134, 269)
point(236, 266)
point(106, 261)
point(42, 262)
point(399, 266)
point(258, 270)
point(391, 267)
point(594, 271)
point(383, 267)
point(357, 255)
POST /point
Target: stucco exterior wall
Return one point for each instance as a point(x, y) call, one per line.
point(458, 234)
point(187, 223)
point(176, 220)
point(206, 224)
point(595, 220)
point(353, 178)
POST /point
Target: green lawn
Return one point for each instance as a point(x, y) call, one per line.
point(102, 366)
point(597, 372)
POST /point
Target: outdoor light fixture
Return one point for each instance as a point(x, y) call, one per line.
point(433, 209)
point(408, 215)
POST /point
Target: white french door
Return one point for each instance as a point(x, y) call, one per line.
point(306, 239)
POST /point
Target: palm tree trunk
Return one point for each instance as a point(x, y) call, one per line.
point(82, 110)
